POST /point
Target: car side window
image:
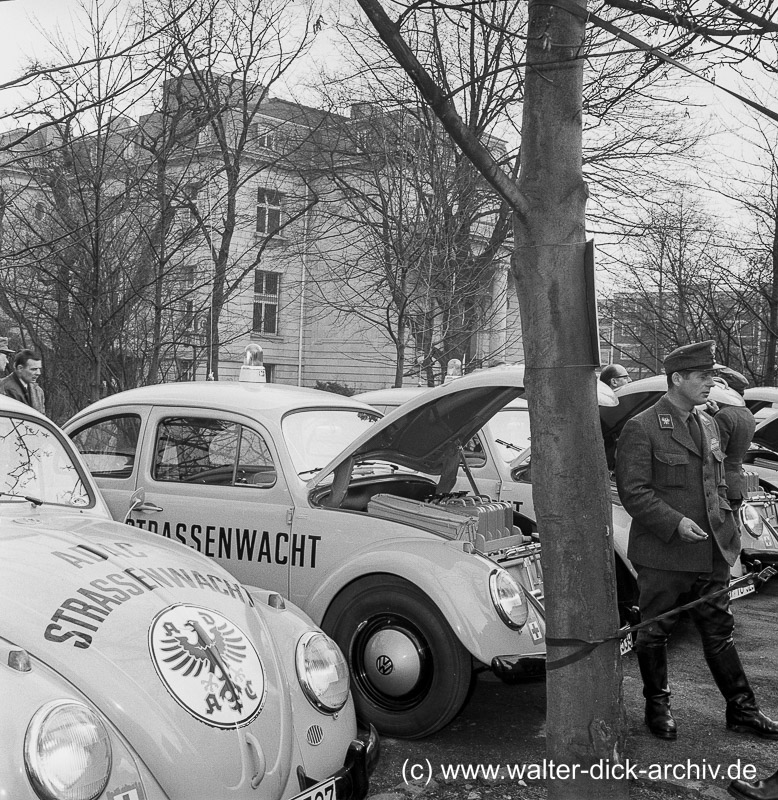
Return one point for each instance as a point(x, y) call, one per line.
point(110, 445)
point(211, 451)
point(474, 452)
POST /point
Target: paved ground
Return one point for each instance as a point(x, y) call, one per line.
point(504, 725)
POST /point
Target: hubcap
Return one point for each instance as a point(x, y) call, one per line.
point(391, 662)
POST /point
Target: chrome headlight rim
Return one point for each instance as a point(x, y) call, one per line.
point(303, 676)
point(498, 580)
point(34, 760)
point(752, 522)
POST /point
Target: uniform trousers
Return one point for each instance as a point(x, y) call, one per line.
point(662, 590)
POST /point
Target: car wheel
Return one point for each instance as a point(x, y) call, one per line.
point(409, 673)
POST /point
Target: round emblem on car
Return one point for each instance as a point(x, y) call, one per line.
point(384, 665)
point(208, 665)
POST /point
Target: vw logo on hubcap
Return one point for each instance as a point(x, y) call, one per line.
point(384, 665)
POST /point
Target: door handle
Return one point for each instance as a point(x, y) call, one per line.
point(147, 508)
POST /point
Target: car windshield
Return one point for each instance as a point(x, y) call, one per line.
point(36, 465)
point(314, 436)
point(511, 427)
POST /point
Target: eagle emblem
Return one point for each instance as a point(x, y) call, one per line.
point(208, 665)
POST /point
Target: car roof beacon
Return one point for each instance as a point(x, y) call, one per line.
point(253, 368)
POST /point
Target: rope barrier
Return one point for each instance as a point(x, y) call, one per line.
point(585, 647)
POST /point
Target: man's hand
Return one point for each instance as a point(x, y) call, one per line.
point(690, 531)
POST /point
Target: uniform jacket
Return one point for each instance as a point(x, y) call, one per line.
point(12, 387)
point(662, 477)
point(736, 426)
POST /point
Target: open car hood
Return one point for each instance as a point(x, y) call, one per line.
point(419, 434)
point(766, 434)
point(640, 395)
point(760, 399)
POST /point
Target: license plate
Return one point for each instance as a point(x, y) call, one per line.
point(322, 791)
point(741, 591)
point(627, 643)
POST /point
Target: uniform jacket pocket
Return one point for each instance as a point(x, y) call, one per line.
point(670, 468)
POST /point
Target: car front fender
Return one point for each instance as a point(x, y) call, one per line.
point(455, 579)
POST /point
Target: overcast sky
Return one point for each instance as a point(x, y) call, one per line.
point(19, 38)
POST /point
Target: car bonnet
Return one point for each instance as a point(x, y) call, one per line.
point(114, 612)
point(419, 434)
point(766, 433)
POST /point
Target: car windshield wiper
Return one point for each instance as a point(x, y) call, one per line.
point(36, 501)
point(309, 471)
point(511, 445)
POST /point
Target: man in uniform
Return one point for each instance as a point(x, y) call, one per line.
point(736, 430)
point(683, 538)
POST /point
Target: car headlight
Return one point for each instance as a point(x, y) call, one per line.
point(508, 599)
point(322, 672)
point(67, 752)
point(751, 520)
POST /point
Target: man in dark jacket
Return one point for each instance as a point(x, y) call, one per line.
point(736, 428)
point(683, 538)
point(22, 383)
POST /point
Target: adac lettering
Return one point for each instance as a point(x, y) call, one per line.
point(80, 555)
point(78, 617)
point(243, 544)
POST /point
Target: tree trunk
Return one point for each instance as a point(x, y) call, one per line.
point(585, 722)
point(770, 367)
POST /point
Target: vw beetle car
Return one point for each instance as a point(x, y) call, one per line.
point(134, 669)
point(351, 516)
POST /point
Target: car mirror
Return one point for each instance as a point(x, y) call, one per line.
point(522, 473)
point(138, 498)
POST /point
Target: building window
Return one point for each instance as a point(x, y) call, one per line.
point(191, 191)
point(266, 289)
point(268, 211)
point(205, 136)
point(259, 137)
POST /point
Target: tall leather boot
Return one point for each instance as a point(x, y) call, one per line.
point(653, 669)
point(743, 714)
point(758, 790)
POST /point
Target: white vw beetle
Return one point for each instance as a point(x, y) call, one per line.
point(419, 587)
point(134, 669)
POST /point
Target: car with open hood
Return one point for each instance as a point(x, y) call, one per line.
point(135, 669)
point(761, 400)
point(351, 516)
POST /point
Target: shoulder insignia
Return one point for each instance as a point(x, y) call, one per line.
point(665, 421)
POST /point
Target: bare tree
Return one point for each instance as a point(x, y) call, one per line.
point(425, 239)
point(224, 57)
point(72, 272)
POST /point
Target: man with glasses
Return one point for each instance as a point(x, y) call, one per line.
point(683, 538)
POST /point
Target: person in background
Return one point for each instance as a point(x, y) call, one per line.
point(614, 375)
point(22, 383)
point(683, 539)
point(736, 429)
point(5, 354)
point(766, 789)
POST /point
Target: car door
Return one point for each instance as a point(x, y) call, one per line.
point(212, 482)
